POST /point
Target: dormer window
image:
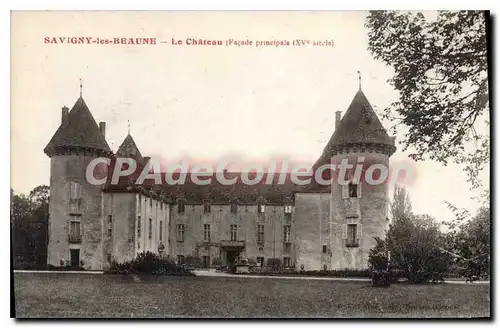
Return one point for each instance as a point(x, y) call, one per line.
point(261, 208)
point(181, 205)
point(234, 205)
point(207, 206)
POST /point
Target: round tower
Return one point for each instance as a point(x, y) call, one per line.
point(359, 149)
point(75, 223)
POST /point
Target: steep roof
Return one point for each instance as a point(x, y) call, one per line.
point(129, 148)
point(273, 193)
point(360, 124)
point(79, 130)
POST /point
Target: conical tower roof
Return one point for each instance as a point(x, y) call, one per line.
point(78, 131)
point(129, 148)
point(360, 124)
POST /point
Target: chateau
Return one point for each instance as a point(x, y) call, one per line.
point(311, 227)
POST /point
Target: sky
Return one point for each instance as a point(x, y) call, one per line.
point(205, 102)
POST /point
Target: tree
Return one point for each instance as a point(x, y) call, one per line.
point(29, 218)
point(469, 241)
point(401, 204)
point(415, 245)
point(440, 72)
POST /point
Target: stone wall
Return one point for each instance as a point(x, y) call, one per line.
point(157, 211)
point(220, 219)
point(372, 214)
point(64, 170)
point(311, 230)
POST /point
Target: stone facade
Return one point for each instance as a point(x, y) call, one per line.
point(309, 228)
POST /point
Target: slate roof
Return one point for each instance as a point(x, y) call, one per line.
point(218, 193)
point(129, 148)
point(79, 131)
point(360, 124)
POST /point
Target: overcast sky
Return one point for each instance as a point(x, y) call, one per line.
point(205, 102)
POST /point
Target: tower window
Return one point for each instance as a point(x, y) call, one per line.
point(353, 190)
point(324, 249)
point(138, 226)
point(352, 235)
point(150, 230)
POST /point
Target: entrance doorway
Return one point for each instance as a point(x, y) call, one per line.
point(74, 258)
point(232, 257)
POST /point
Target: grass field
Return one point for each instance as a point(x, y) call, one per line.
point(102, 296)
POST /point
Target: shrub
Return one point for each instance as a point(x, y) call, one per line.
point(275, 263)
point(216, 262)
point(381, 278)
point(149, 263)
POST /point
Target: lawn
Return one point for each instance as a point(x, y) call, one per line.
point(101, 296)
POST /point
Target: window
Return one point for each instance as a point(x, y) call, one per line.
point(287, 247)
point(139, 203)
point(180, 259)
point(110, 225)
point(234, 206)
point(324, 249)
point(260, 261)
point(161, 230)
point(260, 233)
point(353, 190)
point(352, 238)
point(206, 232)
point(150, 229)
point(151, 202)
point(234, 232)
point(180, 232)
point(261, 207)
point(206, 206)
point(75, 232)
point(181, 206)
point(288, 209)
point(286, 233)
point(75, 190)
point(138, 226)
point(286, 262)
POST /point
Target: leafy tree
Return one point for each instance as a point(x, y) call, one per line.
point(401, 204)
point(29, 219)
point(415, 245)
point(440, 72)
point(469, 241)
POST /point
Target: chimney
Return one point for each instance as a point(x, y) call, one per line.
point(146, 159)
point(64, 116)
point(102, 128)
point(393, 140)
point(338, 117)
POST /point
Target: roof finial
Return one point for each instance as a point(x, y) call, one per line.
point(81, 87)
point(128, 123)
point(359, 77)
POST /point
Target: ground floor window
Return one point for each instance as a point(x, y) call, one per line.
point(286, 262)
point(260, 261)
